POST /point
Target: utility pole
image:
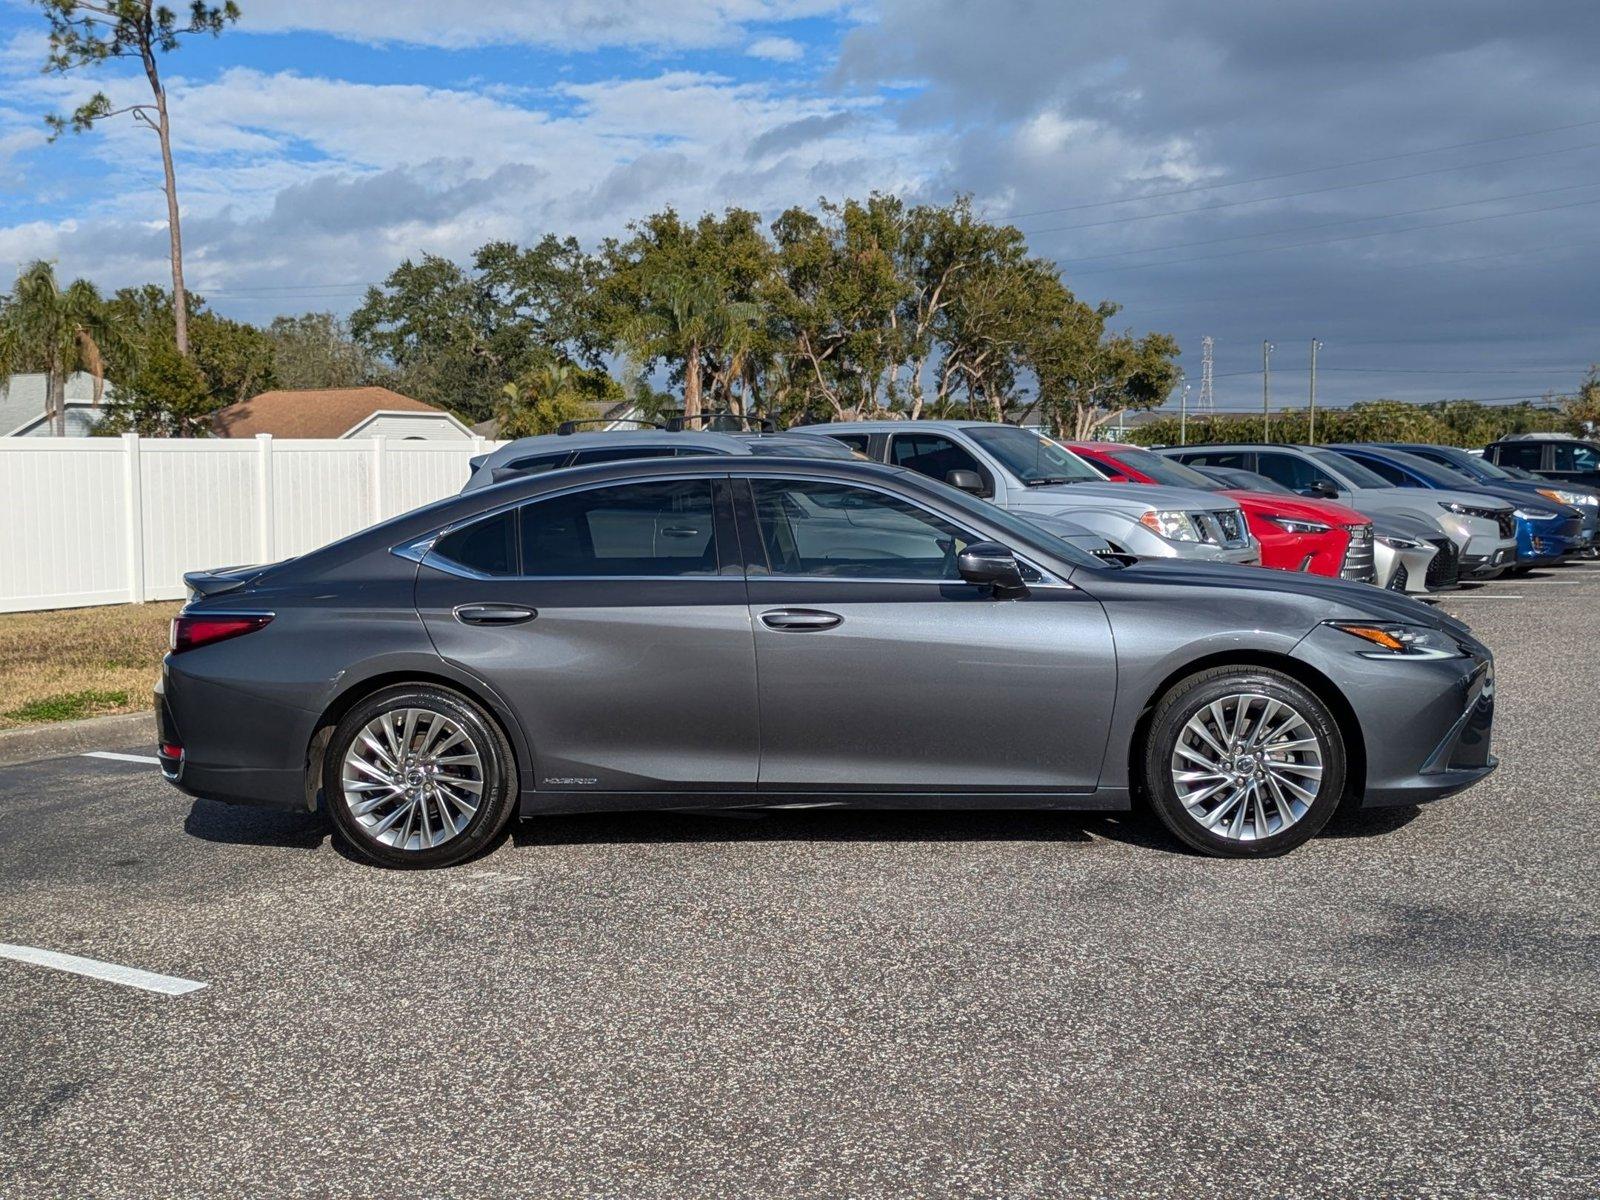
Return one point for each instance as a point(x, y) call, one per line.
point(1311, 434)
point(1266, 390)
point(1183, 417)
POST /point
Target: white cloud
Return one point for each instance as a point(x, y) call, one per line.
point(776, 49)
point(563, 24)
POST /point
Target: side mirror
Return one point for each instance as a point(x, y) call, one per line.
point(993, 564)
point(1323, 489)
point(967, 481)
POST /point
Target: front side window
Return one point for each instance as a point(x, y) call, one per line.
point(1356, 474)
point(932, 454)
point(838, 531)
point(648, 529)
point(856, 441)
point(1292, 471)
point(1527, 455)
point(1389, 471)
point(1233, 460)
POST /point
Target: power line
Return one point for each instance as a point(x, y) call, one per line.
point(1431, 371)
point(1409, 212)
point(1359, 162)
point(1336, 187)
point(1178, 262)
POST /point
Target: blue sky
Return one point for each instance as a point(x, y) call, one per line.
point(1416, 185)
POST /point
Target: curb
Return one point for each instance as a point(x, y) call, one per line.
point(70, 737)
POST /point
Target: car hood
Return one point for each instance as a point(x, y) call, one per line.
point(1125, 497)
point(1340, 598)
point(1326, 511)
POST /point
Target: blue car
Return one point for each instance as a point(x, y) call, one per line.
point(1582, 497)
point(1546, 531)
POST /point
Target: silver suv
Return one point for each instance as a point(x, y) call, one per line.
point(1029, 474)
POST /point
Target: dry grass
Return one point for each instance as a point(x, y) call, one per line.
point(80, 662)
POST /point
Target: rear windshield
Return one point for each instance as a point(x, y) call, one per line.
point(1162, 470)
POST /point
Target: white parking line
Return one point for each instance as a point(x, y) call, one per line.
point(138, 758)
point(1496, 596)
point(149, 981)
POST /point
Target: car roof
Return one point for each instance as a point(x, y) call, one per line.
point(907, 426)
point(552, 443)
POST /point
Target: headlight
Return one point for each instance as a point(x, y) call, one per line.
point(1295, 524)
point(1471, 510)
point(1562, 496)
point(1174, 526)
point(1397, 640)
point(1400, 543)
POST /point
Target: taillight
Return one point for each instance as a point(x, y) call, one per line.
point(190, 632)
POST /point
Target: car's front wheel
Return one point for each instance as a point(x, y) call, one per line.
point(418, 776)
point(1244, 762)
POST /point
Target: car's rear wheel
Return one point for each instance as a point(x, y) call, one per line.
point(1244, 762)
point(418, 776)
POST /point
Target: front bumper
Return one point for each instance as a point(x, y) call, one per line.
point(1425, 724)
point(1484, 558)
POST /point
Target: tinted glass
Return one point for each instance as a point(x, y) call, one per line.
point(1238, 460)
point(1294, 472)
point(1389, 471)
point(1358, 475)
point(539, 463)
point(622, 453)
point(1528, 455)
point(931, 454)
point(1460, 460)
point(1031, 458)
point(1576, 457)
point(856, 441)
point(837, 531)
point(1162, 470)
point(661, 528)
point(1440, 474)
point(488, 546)
point(802, 447)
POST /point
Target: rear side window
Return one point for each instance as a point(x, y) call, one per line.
point(645, 529)
point(621, 454)
point(1292, 472)
point(856, 441)
point(488, 547)
point(1235, 460)
point(538, 464)
point(1527, 455)
point(931, 455)
point(1576, 457)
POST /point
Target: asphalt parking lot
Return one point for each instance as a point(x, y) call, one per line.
point(817, 1003)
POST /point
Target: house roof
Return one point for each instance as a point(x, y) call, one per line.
point(312, 412)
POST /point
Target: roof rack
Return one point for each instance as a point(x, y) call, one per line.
point(570, 427)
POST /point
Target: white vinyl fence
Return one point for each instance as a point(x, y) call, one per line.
point(111, 520)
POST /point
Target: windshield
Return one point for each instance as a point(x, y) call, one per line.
point(1032, 459)
point(1162, 470)
point(1353, 472)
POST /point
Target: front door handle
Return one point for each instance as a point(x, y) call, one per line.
point(494, 614)
point(800, 619)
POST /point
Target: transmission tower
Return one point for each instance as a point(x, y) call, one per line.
point(1207, 403)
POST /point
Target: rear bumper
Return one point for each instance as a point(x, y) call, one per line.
point(202, 721)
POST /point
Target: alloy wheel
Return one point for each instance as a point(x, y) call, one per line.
point(412, 778)
point(1247, 766)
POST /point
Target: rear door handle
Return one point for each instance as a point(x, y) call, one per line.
point(494, 614)
point(800, 619)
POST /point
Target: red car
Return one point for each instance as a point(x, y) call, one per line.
point(1296, 533)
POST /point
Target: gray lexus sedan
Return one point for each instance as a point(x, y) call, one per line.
point(686, 632)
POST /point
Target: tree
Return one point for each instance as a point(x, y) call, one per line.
point(1583, 409)
point(1085, 377)
point(551, 394)
point(316, 350)
point(165, 395)
point(57, 331)
point(86, 33)
point(234, 360)
point(456, 335)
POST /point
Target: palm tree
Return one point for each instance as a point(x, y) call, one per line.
point(61, 330)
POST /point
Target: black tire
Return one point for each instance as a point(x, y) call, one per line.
point(1184, 701)
point(496, 765)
